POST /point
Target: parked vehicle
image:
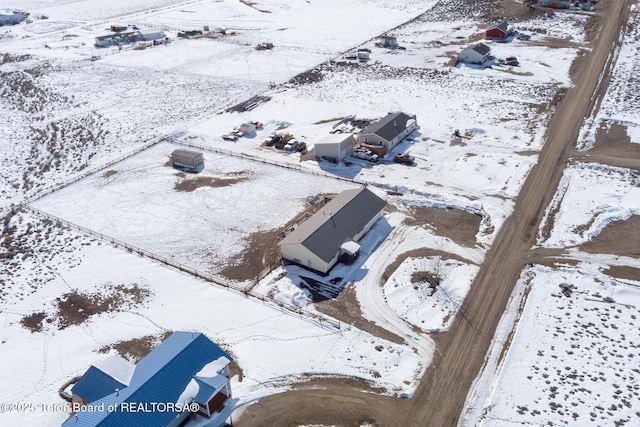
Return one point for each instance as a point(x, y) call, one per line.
point(364, 154)
point(404, 159)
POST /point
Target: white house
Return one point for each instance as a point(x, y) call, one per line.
point(335, 146)
point(476, 54)
point(389, 131)
point(332, 232)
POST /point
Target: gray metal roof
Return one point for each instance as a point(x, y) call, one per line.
point(503, 26)
point(337, 222)
point(389, 126)
point(186, 153)
point(482, 48)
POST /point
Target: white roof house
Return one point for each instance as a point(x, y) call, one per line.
point(476, 54)
point(334, 146)
point(319, 242)
point(390, 130)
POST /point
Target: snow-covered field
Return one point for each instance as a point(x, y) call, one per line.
point(64, 114)
point(589, 197)
point(621, 103)
point(572, 358)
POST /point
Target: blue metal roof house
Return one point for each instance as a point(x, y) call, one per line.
point(185, 376)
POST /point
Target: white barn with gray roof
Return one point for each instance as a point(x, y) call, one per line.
point(390, 130)
point(319, 242)
point(476, 54)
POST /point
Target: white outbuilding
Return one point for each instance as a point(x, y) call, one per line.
point(334, 146)
point(476, 54)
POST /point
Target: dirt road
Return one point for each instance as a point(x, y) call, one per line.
point(440, 397)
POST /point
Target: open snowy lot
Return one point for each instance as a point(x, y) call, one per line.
point(621, 103)
point(204, 220)
point(589, 197)
point(572, 356)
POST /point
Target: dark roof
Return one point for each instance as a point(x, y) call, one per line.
point(503, 26)
point(186, 153)
point(389, 126)
point(482, 48)
point(95, 384)
point(337, 222)
point(161, 376)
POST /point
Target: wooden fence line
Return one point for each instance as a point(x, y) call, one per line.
point(324, 321)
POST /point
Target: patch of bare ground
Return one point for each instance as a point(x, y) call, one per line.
point(418, 253)
point(619, 237)
point(456, 224)
point(593, 25)
point(136, 348)
point(33, 322)
point(624, 272)
point(261, 252)
point(346, 309)
point(249, 104)
point(188, 185)
point(109, 173)
point(335, 119)
point(315, 382)
point(75, 308)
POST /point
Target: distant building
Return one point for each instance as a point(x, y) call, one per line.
point(332, 233)
point(389, 42)
point(116, 28)
point(117, 39)
point(389, 131)
point(501, 31)
point(476, 54)
point(151, 34)
point(557, 4)
point(335, 146)
point(12, 18)
point(188, 161)
point(186, 369)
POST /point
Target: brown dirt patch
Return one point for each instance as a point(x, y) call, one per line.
point(315, 382)
point(261, 251)
point(619, 237)
point(33, 322)
point(109, 173)
point(460, 226)
point(136, 348)
point(74, 308)
point(612, 135)
point(623, 272)
point(417, 253)
point(346, 309)
point(188, 185)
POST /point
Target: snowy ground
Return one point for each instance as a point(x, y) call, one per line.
point(571, 359)
point(621, 103)
point(589, 197)
point(63, 115)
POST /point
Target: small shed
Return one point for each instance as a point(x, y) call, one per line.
point(188, 161)
point(501, 31)
point(476, 54)
point(247, 128)
point(388, 41)
point(116, 28)
point(335, 146)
